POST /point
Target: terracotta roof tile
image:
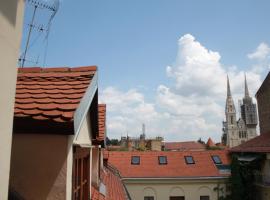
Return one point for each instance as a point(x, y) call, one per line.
point(184, 146)
point(259, 144)
point(210, 143)
point(96, 195)
point(51, 93)
point(101, 122)
point(176, 166)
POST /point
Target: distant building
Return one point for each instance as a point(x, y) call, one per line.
point(184, 146)
point(236, 131)
point(174, 175)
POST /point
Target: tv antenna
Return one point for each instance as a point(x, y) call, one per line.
point(38, 5)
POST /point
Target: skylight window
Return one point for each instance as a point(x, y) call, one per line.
point(217, 160)
point(189, 160)
point(135, 160)
point(162, 160)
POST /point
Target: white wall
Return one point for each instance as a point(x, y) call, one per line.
point(11, 18)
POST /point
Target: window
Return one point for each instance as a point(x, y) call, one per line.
point(162, 160)
point(177, 198)
point(216, 160)
point(149, 198)
point(231, 119)
point(135, 160)
point(189, 160)
point(204, 198)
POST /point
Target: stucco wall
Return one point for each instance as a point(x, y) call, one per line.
point(163, 190)
point(38, 166)
point(11, 17)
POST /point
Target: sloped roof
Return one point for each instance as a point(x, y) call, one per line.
point(176, 166)
point(96, 195)
point(259, 144)
point(210, 143)
point(184, 146)
point(50, 94)
point(101, 122)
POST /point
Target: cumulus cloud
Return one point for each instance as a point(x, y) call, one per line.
point(192, 107)
point(262, 52)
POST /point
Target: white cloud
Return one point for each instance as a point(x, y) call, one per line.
point(193, 107)
point(262, 52)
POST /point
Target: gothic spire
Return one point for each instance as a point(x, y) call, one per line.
point(228, 87)
point(246, 88)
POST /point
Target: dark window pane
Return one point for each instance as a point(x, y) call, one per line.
point(135, 160)
point(189, 160)
point(177, 198)
point(162, 160)
point(204, 198)
point(216, 159)
point(149, 198)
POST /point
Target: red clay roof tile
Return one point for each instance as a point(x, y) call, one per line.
point(101, 122)
point(51, 93)
point(184, 146)
point(176, 166)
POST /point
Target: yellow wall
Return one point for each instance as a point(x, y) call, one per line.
point(163, 189)
point(11, 18)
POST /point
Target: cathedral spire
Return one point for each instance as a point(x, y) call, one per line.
point(228, 87)
point(246, 88)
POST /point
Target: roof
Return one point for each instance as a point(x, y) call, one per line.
point(264, 85)
point(96, 195)
point(51, 94)
point(176, 166)
point(210, 143)
point(259, 144)
point(184, 146)
point(114, 186)
point(101, 122)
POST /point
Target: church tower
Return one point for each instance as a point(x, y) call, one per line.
point(230, 128)
point(249, 114)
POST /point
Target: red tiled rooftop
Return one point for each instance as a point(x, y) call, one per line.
point(210, 143)
point(96, 195)
point(101, 121)
point(175, 167)
point(259, 144)
point(51, 93)
point(183, 146)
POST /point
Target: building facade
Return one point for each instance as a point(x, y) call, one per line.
point(236, 132)
point(11, 21)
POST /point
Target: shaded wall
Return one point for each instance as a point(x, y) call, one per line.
point(11, 18)
point(38, 166)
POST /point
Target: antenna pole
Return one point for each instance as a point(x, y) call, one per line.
point(29, 35)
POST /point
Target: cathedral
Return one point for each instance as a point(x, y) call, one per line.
point(238, 131)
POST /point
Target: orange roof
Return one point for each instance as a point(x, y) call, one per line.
point(184, 146)
point(114, 186)
point(96, 195)
point(210, 143)
point(101, 122)
point(259, 144)
point(176, 166)
point(51, 93)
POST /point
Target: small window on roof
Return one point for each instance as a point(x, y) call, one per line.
point(216, 160)
point(135, 160)
point(189, 160)
point(162, 160)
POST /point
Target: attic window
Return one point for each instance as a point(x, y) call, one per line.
point(189, 160)
point(217, 160)
point(135, 160)
point(162, 160)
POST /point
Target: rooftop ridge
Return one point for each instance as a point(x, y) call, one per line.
point(56, 69)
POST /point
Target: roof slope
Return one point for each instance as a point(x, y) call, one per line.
point(101, 122)
point(210, 143)
point(51, 93)
point(260, 144)
point(183, 146)
point(175, 167)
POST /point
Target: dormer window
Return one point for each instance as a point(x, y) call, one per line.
point(189, 160)
point(216, 160)
point(162, 160)
point(135, 160)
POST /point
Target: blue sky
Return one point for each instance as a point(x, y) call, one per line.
point(133, 42)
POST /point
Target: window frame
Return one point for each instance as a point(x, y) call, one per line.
point(162, 163)
point(187, 161)
point(135, 163)
point(218, 157)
